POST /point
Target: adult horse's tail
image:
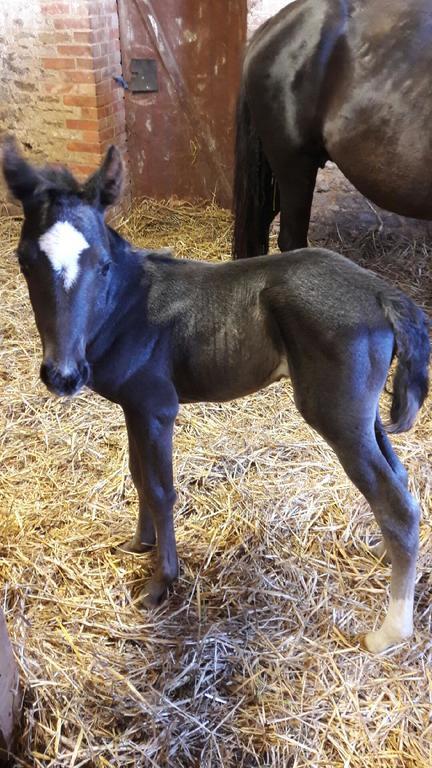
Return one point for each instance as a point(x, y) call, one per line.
point(254, 203)
point(411, 380)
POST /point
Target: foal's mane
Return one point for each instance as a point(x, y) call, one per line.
point(60, 179)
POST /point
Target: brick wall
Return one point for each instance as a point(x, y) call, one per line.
point(57, 93)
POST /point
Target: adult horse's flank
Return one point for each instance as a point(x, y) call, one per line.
point(346, 80)
point(148, 331)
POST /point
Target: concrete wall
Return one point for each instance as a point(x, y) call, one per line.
point(57, 94)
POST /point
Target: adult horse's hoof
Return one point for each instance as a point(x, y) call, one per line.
point(134, 547)
point(153, 594)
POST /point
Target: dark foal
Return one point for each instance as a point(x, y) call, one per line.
point(149, 331)
point(345, 80)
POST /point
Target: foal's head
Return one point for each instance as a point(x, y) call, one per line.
point(64, 255)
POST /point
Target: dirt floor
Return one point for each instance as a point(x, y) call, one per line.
point(254, 660)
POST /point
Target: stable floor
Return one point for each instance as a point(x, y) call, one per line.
point(253, 661)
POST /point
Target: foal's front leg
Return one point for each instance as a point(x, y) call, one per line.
point(152, 432)
point(144, 538)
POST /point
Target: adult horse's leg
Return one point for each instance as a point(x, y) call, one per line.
point(296, 177)
point(144, 538)
point(255, 196)
point(152, 424)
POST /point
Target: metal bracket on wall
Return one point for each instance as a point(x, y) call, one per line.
point(144, 76)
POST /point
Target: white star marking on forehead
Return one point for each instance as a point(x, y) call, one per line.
point(63, 244)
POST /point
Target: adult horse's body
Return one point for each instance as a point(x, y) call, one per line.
point(346, 80)
point(148, 331)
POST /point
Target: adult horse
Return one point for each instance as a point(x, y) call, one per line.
point(346, 80)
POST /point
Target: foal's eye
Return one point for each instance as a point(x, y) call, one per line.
point(104, 269)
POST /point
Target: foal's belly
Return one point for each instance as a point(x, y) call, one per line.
point(230, 377)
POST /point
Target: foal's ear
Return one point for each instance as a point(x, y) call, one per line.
point(104, 187)
point(22, 179)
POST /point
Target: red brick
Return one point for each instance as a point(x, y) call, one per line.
point(89, 113)
point(97, 5)
point(54, 38)
point(55, 9)
point(75, 50)
point(83, 146)
point(93, 63)
point(100, 62)
point(63, 64)
point(90, 137)
point(98, 23)
point(107, 134)
point(103, 76)
point(119, 122)
point(79, 76)
point(103, 91)
point(80, 100)
point(82, 171)
point(96, 35)
point(85, 89)
point(71, 23)
point(85, 64)
point(114, 54)
point(58, 88)
point(83, 37)
point(118, 99)
point(83, 125)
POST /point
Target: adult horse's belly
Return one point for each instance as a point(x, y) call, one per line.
point(377, 125)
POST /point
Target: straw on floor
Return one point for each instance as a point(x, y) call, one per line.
point(253, 660)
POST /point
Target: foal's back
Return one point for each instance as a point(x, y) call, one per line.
point(234, 325)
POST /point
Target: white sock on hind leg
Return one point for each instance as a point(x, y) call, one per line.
point(397, 626)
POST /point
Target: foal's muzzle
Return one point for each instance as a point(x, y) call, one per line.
point(64, 383)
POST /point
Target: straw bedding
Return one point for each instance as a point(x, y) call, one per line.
point(253, 661)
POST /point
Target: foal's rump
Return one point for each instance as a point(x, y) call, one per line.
point(342, 326)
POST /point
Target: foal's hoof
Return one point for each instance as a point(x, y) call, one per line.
point(153, 594)
point(380, 640)
point(134, 547)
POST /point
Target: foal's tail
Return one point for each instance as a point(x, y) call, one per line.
point(411, 380)
point(254, 188)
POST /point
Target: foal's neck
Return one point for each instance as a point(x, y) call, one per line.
point(124, 290)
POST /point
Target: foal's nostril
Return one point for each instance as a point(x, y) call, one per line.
point(64, 383)
point(45, 373)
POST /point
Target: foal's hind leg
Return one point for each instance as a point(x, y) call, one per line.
point(386, 448)
point(349, 428)
point(398, 517)
point(388, 452)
